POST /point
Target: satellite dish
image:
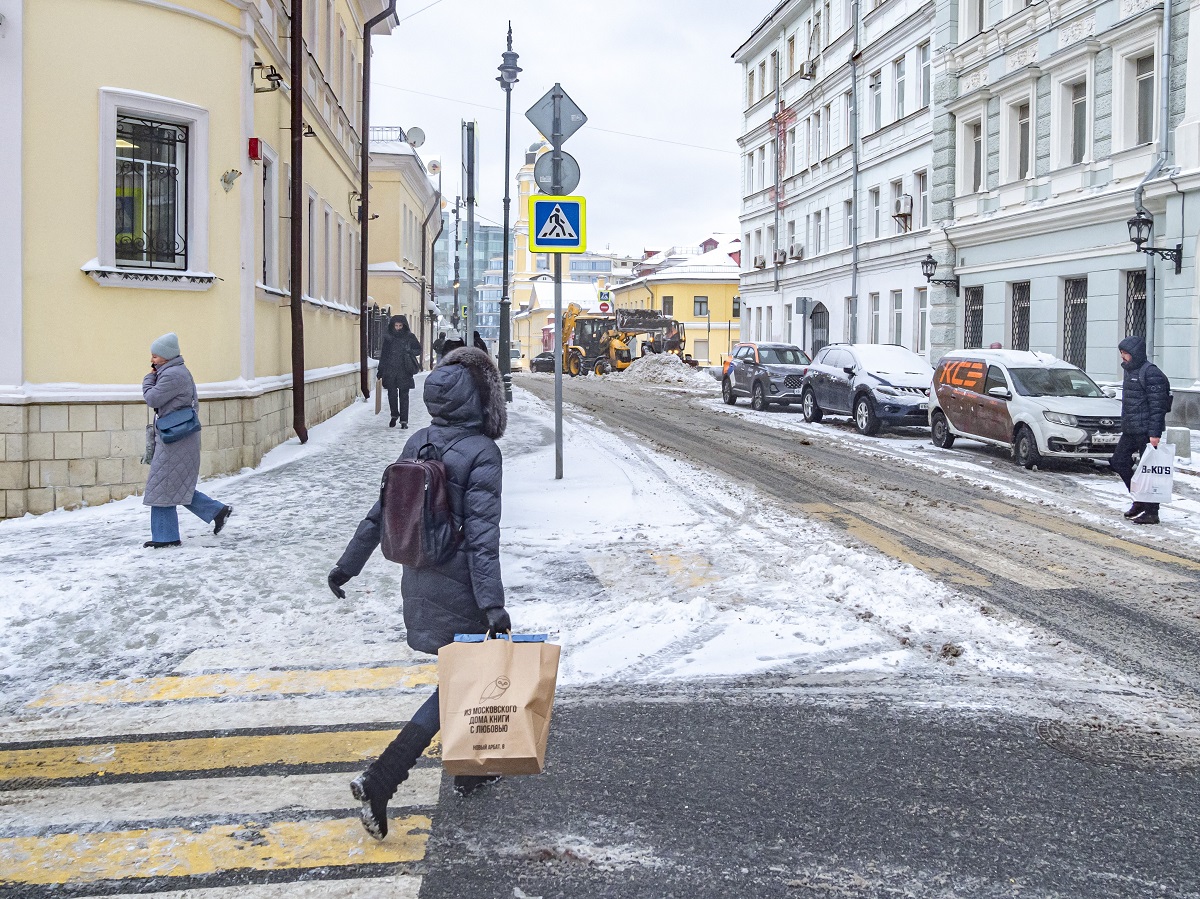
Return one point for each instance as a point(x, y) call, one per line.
point(434, 166)
point(414, 137)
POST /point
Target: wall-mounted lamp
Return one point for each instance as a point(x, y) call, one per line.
point(308, 132)
point(929, 266)
point(1140, 227)
point(228, 178)
point(355, 202)
point(268, 74)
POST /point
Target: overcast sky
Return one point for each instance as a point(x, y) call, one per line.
point(657, 69)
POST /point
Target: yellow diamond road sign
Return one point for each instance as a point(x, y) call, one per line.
point(557, 224)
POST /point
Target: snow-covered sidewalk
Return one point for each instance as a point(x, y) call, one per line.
point(647, 570)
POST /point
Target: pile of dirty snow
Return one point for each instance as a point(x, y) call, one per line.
point(667, 368)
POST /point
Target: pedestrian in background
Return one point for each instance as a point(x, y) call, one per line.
point(481, 344)
point(175, 466)
point(1145, 396)
point(453, 342)
point(465, 594)
point(438, 344)
point(399, 360)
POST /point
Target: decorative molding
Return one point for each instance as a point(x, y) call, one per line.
point(972, 82)
point(1020, 58)
point(162, 279)
point(1133, 7)
point(1076, 31)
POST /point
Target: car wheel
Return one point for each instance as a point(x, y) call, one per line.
point(941, 431)
point(1025, 449)
point(864, 416)
point(727, 393)
point(808, 403)
point(758, 399)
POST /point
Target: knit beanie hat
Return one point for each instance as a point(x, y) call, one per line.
point(166, 346)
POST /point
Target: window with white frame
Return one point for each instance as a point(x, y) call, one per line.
point(1143, 99)
point(897, 316)
point(828, 119)
point(328, 239)
point(897, 193)
point(338, 74)
point(699, 307)
point(791, 232)
point(774, 70)
point(851, 319)
point(762, 168)
point(874, 322)
point(791, 55)
point(875, 98)
point(848, 221)
point(922, 319)
point(827, 21)
point(972, 14)
point(750, 87)
point(151, 195)
point(971, 177)
point(1079, 121)
point(899, 87)
point(750, 172)
point(312, 245)
point(847, 111)
point(923, 63)
point(791, 151)
point(340, 263)
point(758, 247)
point(1073, 128)
point(769, 237)
point(787, 322)
point(329, 17)
point(873, 207)
point(769, 323)
point(818, 143)
point(270, 217)
point(817, 221)
point(762, 79)
point(1020, 141)
point(921, 210)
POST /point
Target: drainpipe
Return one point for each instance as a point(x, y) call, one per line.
point(1164, 131)
point(426, 258)
point(298, 64)
point(778, 143)
point(854, 153)
point(364, 209)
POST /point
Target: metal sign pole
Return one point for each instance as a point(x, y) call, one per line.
point(469, 337)
point(556, 139)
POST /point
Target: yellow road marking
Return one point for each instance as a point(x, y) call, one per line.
point(935, 565)
point(246, 683)
point(182, 852)
point(687, 570)
point(195, 754)
point(1099, 538)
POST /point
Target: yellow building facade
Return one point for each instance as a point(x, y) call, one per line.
point(149, 192)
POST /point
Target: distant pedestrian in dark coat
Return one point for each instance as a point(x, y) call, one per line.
point(438, 344)
point(481, 344)
point(175, 467)
point(464, 595)
point(399, 360)
point(1145, 395)
point(453, 342)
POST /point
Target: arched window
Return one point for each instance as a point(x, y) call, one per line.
point(820, 327)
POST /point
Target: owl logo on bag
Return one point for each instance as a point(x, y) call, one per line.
point(495, 689)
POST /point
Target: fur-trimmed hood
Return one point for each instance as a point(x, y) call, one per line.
point(465, 391)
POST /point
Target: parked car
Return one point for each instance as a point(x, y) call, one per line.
point(542, 362)
point(1035, 404)
point(874, 383)
point(514, 359)
point(766, 372)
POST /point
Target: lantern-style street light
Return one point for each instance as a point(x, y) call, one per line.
point(509, 70)
point(1140, 228)
point(929, 266)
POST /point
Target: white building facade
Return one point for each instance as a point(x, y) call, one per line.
point(837, 156)
point(1054, 123)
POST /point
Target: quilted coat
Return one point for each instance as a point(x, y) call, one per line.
point(398, 357)
point(175, 467)
point(1145, 392)
point(466, 403)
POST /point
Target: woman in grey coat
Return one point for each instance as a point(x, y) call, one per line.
point(464, 595)
point(175, 467)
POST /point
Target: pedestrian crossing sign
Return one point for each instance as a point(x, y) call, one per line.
point(557, 224)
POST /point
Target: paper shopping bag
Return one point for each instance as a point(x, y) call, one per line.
point(496, 699)
point(378, 396)
point(1153, 479)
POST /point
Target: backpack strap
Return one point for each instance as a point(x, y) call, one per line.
point(432, 451)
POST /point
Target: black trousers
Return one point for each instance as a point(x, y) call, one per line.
point(398, 401)
point(1122, 460)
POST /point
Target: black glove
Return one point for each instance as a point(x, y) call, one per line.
point(336, 579)
point(498, 621)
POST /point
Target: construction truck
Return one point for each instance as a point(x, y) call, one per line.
point(601, 343)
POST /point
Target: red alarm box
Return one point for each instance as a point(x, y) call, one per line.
point(256, 148)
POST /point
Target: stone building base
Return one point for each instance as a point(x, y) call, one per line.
point(68, 455)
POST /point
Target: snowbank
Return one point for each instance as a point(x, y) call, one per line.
point(667, 368)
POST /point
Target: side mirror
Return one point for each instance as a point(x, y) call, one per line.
point(849, 369)
point(1000, 393)
point(1110, 392)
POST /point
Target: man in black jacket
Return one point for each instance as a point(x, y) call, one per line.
point(1145, 397)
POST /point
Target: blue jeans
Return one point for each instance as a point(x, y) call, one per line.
point(428, 716)
point(164, 520)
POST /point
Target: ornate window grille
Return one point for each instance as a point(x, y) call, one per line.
point(151, 194)
point(377, 322)
point(1135, 304)
point(1075, 322)
point(820, 328)
point(1020, 315)
point(973, 318)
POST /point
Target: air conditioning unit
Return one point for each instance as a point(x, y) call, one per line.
point(780, 257)
point(760, 261)
point(796, 250)
point(903, 205)
point(808, 70)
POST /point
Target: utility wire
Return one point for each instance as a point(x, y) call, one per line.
point(421, 10)
point(658, 140)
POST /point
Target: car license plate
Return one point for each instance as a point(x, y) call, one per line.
point(1105, 439)
point(923, 407)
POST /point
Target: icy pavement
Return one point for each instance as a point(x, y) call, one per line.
point(647, 570)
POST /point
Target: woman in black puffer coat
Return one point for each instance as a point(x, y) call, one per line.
point(399, 360)
point(464, 595)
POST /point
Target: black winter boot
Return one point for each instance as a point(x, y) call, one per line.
point(392, 423)
point(1133, 510)
point(466, 784)
point(1148, 515)
point(377, 785)
point(222, 517)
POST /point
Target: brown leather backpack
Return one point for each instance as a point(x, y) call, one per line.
point(418, 524)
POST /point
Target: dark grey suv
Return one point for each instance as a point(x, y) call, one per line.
point(873, 383)
point(765, 372)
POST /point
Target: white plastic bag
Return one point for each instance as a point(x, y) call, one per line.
point(1155, 474)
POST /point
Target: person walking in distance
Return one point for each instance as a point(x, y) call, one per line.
point(465, 594)
point(1145, 397)
point(438, 345)
point(453, 342)
point(399, 360)
point(175, 466)
point(479, 343)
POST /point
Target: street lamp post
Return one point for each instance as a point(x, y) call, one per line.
point(507, 78)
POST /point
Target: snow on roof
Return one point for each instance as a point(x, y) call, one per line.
point(579, 292)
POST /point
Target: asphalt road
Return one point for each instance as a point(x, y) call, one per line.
point(1127, 599)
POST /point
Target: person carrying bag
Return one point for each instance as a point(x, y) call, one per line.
point(460, 594)
point(1145, 401)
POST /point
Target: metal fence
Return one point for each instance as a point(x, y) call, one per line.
point(1075, 322)
point(973, 318)
point(377, 320)
point(1020, 315)
point(1135, 304)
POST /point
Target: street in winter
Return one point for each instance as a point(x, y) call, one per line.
point(458, 449)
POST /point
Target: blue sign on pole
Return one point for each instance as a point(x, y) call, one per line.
point(557, 224)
